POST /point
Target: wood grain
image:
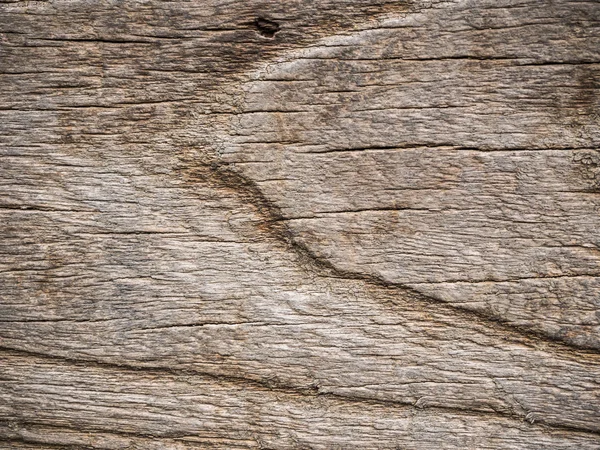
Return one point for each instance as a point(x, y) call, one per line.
point(330, 224)
point(468, 174)
point(182, 410)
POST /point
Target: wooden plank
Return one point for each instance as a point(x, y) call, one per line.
point(372, 228)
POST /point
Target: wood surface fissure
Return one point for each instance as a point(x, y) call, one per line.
point(320, 224)
point(224, 175)
point(274, 386)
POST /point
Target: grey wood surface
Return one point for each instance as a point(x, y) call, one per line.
point(312, 224)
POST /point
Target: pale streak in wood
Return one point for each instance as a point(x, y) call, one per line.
point(121, 246)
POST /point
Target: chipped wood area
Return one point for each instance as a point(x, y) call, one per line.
point(319, 224)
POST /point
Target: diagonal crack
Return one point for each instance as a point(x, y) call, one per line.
point(224, 175)
point(289, 390)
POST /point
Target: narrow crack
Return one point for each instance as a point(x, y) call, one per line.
point(277, 387)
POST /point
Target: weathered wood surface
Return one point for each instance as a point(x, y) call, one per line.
point(326, 224)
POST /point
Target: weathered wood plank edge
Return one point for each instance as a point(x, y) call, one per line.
point(163, 437)
point(22, 440)
point(14, 442)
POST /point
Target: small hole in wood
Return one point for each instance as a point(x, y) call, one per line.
point(266, 27)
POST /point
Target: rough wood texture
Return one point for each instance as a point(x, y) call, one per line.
point(325, 224)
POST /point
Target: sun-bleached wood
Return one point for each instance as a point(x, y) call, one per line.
point(330, 224)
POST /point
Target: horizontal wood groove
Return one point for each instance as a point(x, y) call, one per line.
point(282, 389)
point(314, 225)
